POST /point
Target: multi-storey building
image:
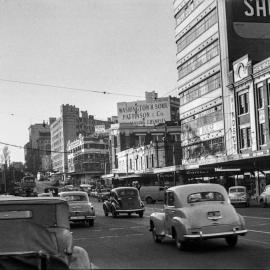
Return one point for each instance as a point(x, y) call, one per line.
point(66, 128)
point(210, 36)
point(88, 158)
point(38, 149)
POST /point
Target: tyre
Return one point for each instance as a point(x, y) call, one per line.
point(141, 214)
point(91, 222)
point(129, 214)
point(105, 211)
point(149, 200)
point(262, 203)
point(231, 241)
point(181, 245)
point(114, 213)
point(157, 238)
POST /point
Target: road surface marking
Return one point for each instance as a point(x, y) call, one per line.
point(109, 236)
point(261, 242)
point(257, 217)
point(259, 231)
point(117, 228)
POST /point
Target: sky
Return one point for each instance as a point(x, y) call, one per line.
point(118, 46)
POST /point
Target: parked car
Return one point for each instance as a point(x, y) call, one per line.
point(103, 195)
point(151, 194)
point(80, 208)
point(264, 198)
point(37, 235)
point(238, 196)
point(197, 211)
point(124, 200)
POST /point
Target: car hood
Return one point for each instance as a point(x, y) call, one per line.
point(199, 214)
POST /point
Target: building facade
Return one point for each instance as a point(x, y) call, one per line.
point(38, 148)
point(88, 158)
point(66, 128)
point(212, 38)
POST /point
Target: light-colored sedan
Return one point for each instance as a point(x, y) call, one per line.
point(264, 198)
point(197, 212)
point(239, 196)
point(80, 208)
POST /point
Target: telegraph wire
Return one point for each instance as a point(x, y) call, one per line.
point(68, 88)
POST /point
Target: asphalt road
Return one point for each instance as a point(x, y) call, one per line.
point(125, 243)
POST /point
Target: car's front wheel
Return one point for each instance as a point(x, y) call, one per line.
point(156, 237)
point(180, 244)
point(105, 211)
point(114, 213)
point(149, 200)
point(90, 222)
point(141, 214)
point(231, 240)
point(262, 203)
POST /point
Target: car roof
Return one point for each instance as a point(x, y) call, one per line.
point(75, 192)
point(193, 188)
point(31, 200)
point(121, 188)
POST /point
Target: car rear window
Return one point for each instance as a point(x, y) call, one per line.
point(15, 214)
point(205, 196)
point(127, 192)
point(233, 190)
point(75, 198)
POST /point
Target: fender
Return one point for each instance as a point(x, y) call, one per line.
point(107, 204)
point(181, 226)
point(242, 221)
point(158, 221)
point(79, 259)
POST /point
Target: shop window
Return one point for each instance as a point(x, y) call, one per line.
point(243, 103)
point(245, 137)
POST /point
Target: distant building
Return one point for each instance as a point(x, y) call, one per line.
point(88, 158)
point(66, 128)
point(38, 148)
point(149, 112)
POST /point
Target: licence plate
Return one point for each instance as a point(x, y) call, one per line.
point(77, 217)
point(213, 214)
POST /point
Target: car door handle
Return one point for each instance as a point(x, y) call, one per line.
point(173, 211)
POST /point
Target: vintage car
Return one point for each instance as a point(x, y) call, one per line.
point(238, 196)
point(103, 195)
point(124, 200)
point(37, 235)
point(197, 211)
point(80, 208)
point(264, 198)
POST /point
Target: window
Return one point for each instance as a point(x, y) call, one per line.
point(169, 198)
point(205, 196)
point(147, 162)
point(260, 97)
point(130, 162)
point(198, 60)
point(245, 137)
point(243, 103)
point(152, 158)
point(197, 30)
point(262, 134)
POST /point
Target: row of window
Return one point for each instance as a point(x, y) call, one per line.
point(197, 30)
point(214, 115)
point(198, 60)
point(200, 89)
point(204, 149)
point(186, 10)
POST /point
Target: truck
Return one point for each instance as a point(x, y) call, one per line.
point(26, 187)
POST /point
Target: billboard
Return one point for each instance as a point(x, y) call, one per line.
point(143, 113)
point(248, 29)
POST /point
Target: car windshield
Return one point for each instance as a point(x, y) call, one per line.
point(205, 196)
point(234, 190)
point(127, 192)
point(75, 198)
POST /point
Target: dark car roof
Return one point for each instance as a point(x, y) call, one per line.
point(121, 188)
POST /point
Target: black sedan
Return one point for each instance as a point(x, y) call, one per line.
point(124, 200)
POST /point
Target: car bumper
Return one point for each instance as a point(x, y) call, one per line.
point(81, 217)
point(201, 235)
point(130, 210)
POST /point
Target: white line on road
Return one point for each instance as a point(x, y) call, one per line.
point(256, 217)
point(259, 231)
point(261, 242)
point(108, 236)
point(111, 229)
